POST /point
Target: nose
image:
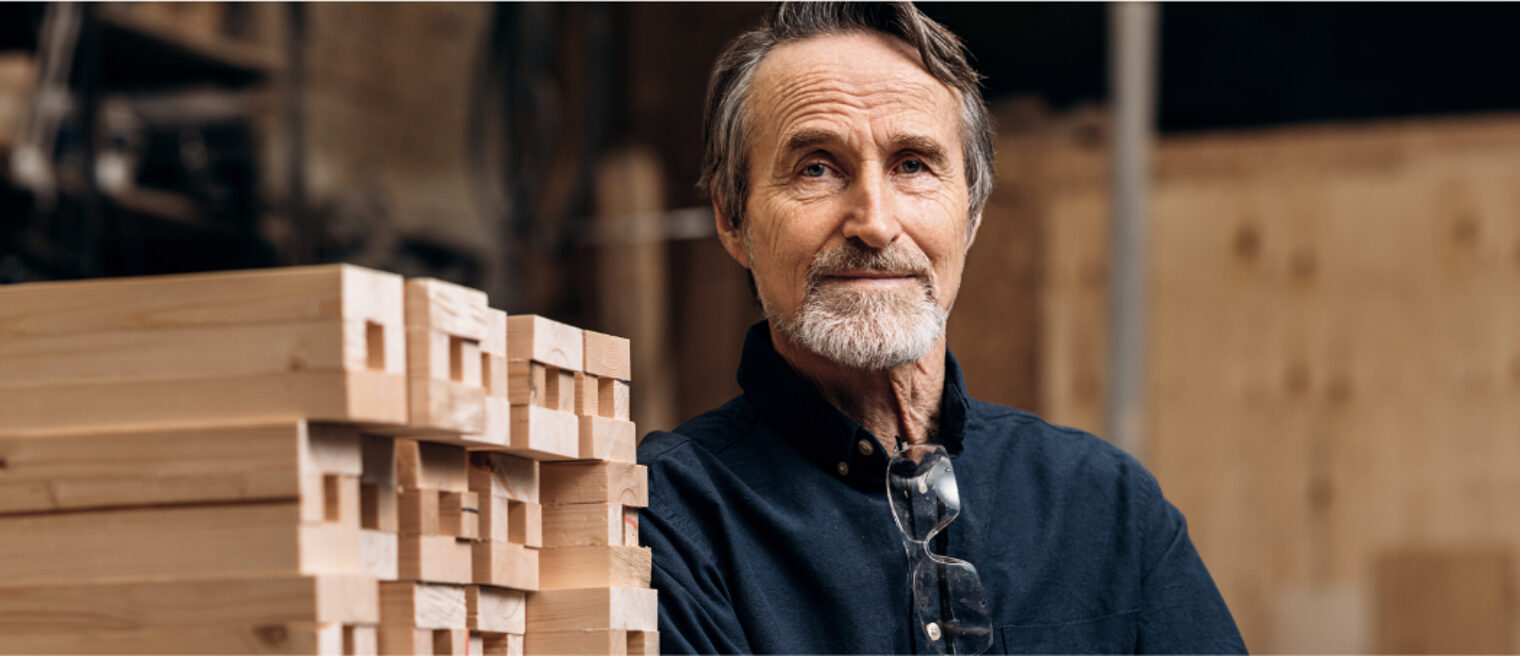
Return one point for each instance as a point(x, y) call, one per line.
point(871, 215)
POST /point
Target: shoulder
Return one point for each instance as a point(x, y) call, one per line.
point(709, 433)
point(1060, 457)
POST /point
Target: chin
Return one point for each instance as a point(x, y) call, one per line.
point(865, 330)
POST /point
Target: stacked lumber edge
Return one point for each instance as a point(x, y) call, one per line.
point(322, 459)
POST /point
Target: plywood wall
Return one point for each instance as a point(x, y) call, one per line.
point(1334, 350)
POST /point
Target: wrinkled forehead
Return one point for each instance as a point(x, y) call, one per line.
point(810, 83)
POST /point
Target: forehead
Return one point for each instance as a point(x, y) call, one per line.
point(835, 80)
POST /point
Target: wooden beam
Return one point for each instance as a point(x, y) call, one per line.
point(157, 467)
point(539, 339)
point(594, 482)
point(341, 396)
point(587, 394)
point(613, 398)
point(429, 466)
point(379, 554)
point(423, 605)
point(446, 326)
point(377, 484)
point(435, 558)
point(496, 610)
point(593, 567)
point(588, 524)
point(264, 539)
point(459, 514)
point(544, 434)
point(195, 352)
point(503, 475)
point(525, 523)
point(608, 356)
point(227, 638)
point(604, 642)
point(629, 609)
point(282, 295)
point(497, 644)
point(89, 607)
point(608, 439)
point(506, 565)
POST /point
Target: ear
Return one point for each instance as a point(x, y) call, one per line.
point(976, 224)
point(730, 235)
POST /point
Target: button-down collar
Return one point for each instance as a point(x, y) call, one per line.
point(818, 430)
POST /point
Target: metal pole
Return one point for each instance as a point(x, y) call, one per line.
point(1132, 80)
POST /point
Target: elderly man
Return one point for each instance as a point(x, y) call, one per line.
point(849, 156)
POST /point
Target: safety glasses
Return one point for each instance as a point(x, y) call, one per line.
point(947, 592)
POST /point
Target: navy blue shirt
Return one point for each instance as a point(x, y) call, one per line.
point(771, 532)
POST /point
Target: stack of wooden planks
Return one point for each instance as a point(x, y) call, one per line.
point(593, 592)
point(309, 460)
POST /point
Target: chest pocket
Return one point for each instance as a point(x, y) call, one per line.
point(1114, 634)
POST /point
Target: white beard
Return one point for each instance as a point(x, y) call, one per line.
point(866, 329)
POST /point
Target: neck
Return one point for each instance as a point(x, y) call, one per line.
point(899, 404)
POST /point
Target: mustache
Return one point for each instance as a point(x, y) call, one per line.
point(854, 256)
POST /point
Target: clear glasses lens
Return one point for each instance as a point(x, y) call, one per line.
point(921, 487)
point(948, 596)
point(951, 605)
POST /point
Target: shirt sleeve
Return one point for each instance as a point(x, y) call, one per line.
point(1181, 610)
point(696, 613)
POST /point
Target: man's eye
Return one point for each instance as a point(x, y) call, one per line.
point(912, 166)
point(815, 170)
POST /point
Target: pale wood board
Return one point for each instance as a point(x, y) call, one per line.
point(629, 609)
point(594, 482)
point(429, 466)
point(194, 352)
point(504, 475)
point(445, 307)
point(608, 356)
point(153, 467)
point(525, 523)
point(587, 394)
point(265, 539)
point(353, 396)
point(203, 299)
point(88, 607)
point(1332, 351)
point(544, 434)
point(239, 638)
point(614, 399)
point(496, 610)
point(604, 642)
point(379, 554)
point(593, 567)
point(584, 524)
point(540, 339)
point(378, 484)
point(433, 558)
point(422, 605)
point(613, 440)
point(505, 565)
point(497, 644)
point(459, 515)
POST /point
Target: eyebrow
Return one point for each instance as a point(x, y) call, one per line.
point(926, 148)
point(808, 139)
point(811, 138)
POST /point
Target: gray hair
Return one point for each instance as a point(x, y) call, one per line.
point(725, 171)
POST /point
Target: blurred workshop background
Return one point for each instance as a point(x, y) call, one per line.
point(1331, 315)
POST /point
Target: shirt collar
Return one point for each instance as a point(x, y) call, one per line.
point(833, 441)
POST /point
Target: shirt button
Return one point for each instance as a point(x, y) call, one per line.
point(844, 469)
point(865, 447)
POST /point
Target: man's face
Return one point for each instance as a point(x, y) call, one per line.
point(856, 226)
